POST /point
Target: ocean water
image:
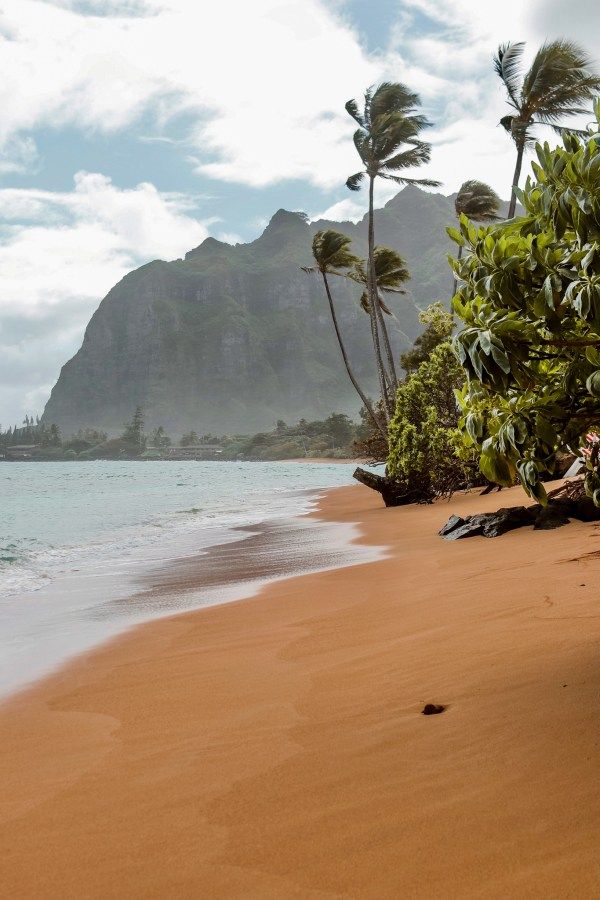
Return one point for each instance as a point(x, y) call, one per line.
point(78, 539)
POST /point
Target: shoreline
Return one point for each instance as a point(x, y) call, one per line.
point(73, 590)
point(275, 746)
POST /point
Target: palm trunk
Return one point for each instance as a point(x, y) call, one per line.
point(357, 388)
point(515, 184)
point(455, 282)
point(388, 349)
point(373, 306)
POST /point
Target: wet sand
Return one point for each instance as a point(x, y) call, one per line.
point(275, 747)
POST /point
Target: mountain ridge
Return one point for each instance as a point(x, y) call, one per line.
point(231, 338)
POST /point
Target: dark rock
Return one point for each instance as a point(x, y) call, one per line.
point(452, 523)
point(507, 519)
point(585, 510)
point(555, 514)
point(468, 527)
point(433, 709)
point(550, 517)
point(488, 524)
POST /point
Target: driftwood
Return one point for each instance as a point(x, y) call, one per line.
point(392, 493)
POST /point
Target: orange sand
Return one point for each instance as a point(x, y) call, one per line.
point(275, 747)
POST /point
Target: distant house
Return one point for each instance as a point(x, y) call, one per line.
point(197, 451)
point(21, 451)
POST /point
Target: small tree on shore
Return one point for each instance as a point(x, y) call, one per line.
point(426, 454)
point(160, 438)
point(134, 431)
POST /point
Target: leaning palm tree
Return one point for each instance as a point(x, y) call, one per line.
point(557, 85)
point(390, 274)
point(478, 202)
point(388, 143)
point(333, 257)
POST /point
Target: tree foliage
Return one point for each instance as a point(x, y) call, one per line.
point(477, 201)
point(530, 304)
point(426, 450)
point(133, 434)
point(558, 85)
point(332, 256)
point(390, 274)
point(439, 326)
point(388, 142)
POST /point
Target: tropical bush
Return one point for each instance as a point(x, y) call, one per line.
point(530, 304)
point(427, 454)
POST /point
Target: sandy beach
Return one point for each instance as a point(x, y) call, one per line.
point(275, 747)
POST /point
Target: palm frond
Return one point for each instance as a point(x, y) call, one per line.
point(414, 156)
point(478, 201)
point(353, 110)
point(400, 179)
point(331, 252)
point(507, 65)
point(392, 98)
point(366, 306)
point(390, 271)
point(399, 130)
point(560, 81)
point(361, 142)
point(565, 129)
point(388, 139)
point(354, 182)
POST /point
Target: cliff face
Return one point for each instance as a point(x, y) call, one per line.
point(230, 339)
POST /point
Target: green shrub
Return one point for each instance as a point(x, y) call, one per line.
point(285, 450)
point(426, 450)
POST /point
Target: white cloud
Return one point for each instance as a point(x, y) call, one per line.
point(263, 84)
point(266, 80)
point(65, 252)
point(466, 140)
point(17, 154)
point(353, 207)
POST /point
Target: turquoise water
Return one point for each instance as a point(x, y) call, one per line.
point(77, 537)
point(54, 515)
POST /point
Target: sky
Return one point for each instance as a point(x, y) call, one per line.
point(133, 129)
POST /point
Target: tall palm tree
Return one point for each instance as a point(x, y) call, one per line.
point(480, 203)
point(390, 273)
point(333, 257)
point(560, 80)
point(388, 143)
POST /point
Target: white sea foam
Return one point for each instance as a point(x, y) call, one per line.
point(76, 539)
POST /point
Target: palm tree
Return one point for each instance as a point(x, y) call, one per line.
point(333, 257)
point(558, 83)
point(388, 143)
point(390, 274)
point(480, 203)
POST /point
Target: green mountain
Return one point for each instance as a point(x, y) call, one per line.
point(232, 338)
